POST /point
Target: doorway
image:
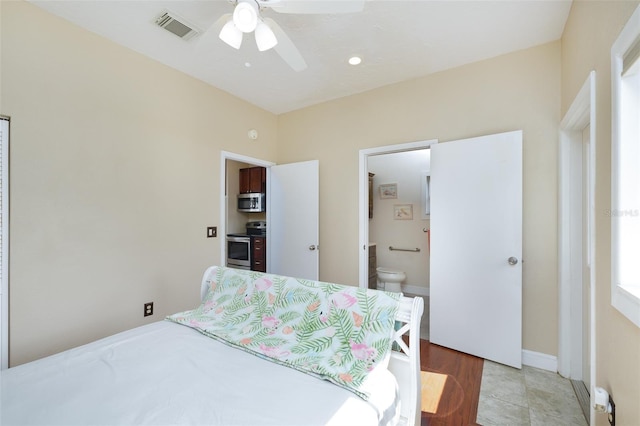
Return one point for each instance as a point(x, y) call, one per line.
point(397, 181)
point(576, 234)
point(398, 259)
point(230, 222)
point(292, 244)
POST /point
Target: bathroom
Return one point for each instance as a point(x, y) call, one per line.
point(400, 219)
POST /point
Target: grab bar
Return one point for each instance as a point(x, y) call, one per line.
point(415, 250)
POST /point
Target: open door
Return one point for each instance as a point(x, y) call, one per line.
point(476, 247)
point(293, 218)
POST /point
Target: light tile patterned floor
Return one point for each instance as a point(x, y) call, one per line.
point(530, 396)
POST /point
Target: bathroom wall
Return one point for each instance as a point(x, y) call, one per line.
point(406, 170)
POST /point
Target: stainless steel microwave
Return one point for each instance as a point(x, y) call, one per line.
point(251, 202)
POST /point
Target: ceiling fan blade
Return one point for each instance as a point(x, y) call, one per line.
point(314, 6)
point(285, 47)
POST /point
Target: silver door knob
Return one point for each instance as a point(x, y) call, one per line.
point(312, 247)
point(512, 261)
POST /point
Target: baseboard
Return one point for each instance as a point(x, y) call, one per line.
point(540, 360)
point(416, 290)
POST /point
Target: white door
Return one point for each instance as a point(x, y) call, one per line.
point(293, 218)
point(476, 247)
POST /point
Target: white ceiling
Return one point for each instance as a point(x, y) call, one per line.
point(397, 39)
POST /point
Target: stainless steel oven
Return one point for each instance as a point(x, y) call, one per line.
point(239, 251)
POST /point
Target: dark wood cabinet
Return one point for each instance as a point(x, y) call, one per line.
point(373, 274)
point(259, 254)
point(253, 179)
point(371, 175)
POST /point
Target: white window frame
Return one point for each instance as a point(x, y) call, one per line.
point(624, 213)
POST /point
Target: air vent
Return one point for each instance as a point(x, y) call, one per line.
point(176, 25)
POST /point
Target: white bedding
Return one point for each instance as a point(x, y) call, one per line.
point(164, 373)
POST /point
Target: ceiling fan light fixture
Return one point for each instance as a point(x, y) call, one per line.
point(231, 35)
point(245, 16)
point(265, 38)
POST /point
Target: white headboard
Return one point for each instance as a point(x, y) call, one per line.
point(404, 362)
point(204, 286)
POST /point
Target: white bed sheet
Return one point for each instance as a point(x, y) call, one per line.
point(164, 373)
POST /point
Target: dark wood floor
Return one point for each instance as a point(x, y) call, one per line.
point(459, 402)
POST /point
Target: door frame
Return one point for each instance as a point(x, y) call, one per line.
point(363, 198)
point(4, 281)
point(224, 199)
point(580, 114)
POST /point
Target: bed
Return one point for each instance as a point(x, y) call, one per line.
point(184, 371)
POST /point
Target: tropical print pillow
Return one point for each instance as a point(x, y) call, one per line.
point(334, 332)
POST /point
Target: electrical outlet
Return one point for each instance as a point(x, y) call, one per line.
point(148, 309)
point(212, 231)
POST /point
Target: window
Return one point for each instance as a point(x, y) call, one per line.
point(625, 170)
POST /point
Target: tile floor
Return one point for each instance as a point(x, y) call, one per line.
point(529, 396)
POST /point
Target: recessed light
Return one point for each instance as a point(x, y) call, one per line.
point(247, 64)
point(355, 60)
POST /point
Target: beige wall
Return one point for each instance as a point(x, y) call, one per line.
point(586, 45)
point(115, 175)
point(515, 91)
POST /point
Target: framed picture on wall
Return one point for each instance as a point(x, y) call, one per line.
point(389, 190)
point(403, 211)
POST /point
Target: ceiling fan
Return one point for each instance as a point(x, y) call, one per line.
point(268, 34)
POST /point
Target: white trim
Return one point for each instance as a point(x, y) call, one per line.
point(4, 284)
point(624, 301)
point(539, 360)
point(224, 200)
point(415, 290)
point(363, 210)
point(581, 113)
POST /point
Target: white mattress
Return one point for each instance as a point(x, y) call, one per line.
point(164, 373)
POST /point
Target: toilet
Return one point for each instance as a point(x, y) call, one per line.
point(391, 279)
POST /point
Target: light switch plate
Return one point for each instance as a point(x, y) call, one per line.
point(212, 231)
